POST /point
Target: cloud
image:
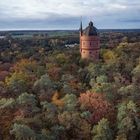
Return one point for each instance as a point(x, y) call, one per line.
point(67, 13)
point(131, 20)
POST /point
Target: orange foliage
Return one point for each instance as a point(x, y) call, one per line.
point(55, 72)
point(74, 83)
point(56, 100)
point(3, 75)
point(96, 104)
point(5, 66)
point(6, 117)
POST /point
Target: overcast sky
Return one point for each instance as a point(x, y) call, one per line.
point(65, 14)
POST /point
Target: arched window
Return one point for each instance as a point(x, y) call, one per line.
point(83, 43)
point(90, 43)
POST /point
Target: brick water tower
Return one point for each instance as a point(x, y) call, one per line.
point(89, 42)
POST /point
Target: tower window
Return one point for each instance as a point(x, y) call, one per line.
point(83, 43)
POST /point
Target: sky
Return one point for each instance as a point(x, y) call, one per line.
point(66, 14)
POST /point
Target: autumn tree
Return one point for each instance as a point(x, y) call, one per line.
point(17, 82)
point(109, 56)
point(55, 72)
point(61, 58)
point(29, 67)
point(25, 66)
point(96, 104)
point(56, 100)
point(3, 75)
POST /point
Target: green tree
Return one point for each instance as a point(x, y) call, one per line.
point(68, 89)
point(7, 103)
point(50, 112)
point(58, 132)
point(28, 104)
point(23, 132)
point(127, 118)
point(61, 58)
point(44, 87)
point(44, 83)
point(76, 127)
point(102, 131)
point(103, 86)
point(70, 102)
point(84, 76)
point(26, 99)
point(131, 91)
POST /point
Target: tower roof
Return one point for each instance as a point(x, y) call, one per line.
point(90, 30)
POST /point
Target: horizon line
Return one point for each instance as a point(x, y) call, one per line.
point(8, 30)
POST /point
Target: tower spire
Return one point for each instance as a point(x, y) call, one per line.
point(81, 27)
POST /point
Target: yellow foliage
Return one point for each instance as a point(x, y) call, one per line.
point(108, 56)
point(24, 65)
point(56, 100)
point(122, 45)
point(121, 137)
point(61, 58)
point(15, 77)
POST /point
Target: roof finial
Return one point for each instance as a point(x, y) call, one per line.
point(90, 19)
point(90, 23)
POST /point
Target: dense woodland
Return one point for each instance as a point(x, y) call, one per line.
point(47, 92)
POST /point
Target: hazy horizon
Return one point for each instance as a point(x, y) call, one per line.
point(65, 14)
point(7, 30)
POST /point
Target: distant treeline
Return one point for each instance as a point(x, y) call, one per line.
point(61, 32)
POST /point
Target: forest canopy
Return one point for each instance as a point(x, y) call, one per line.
point(47, 92)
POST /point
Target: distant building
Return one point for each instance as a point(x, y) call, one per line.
point(71, 45)
point(2, 37)
point(89, 42)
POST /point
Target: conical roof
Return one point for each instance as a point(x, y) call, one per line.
point(90, 30)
